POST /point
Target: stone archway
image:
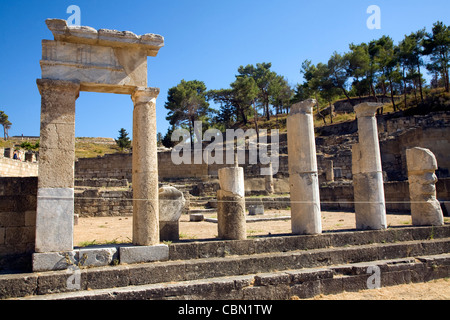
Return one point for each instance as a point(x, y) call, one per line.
point(85, 59)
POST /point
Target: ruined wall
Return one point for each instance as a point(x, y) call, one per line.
point(393, 151)
point(15, 168)
point(18, 198)
point(396, 135)
point(96, 203)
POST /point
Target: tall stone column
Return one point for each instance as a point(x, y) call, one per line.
point(370, 208)
point(303, 176)
point(231, 204)
point(145, 168)
point(55, 203)
point(425, 208)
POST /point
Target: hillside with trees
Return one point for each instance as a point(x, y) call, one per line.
point(261, 98)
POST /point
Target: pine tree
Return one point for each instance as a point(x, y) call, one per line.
point(123, 142)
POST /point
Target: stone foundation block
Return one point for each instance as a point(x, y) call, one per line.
point(49, 261)
point(136, 254)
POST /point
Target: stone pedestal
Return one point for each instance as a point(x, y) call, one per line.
point(303, 176)
point(171, 205)
point(425, 208)
point(231, 204)
point(55, 206)
point(370, 208)
point(145, 168)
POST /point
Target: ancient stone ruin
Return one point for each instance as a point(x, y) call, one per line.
point(302, 264)
point(370, 209)
point(425, 209)
point(85, 59)
point(303, 178)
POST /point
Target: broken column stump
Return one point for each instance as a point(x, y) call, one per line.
point(231, 204)
point(425, 208)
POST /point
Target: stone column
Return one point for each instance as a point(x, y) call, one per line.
point(145, 168)
point(425, 208)
point(329, 170)
point(303, 176)
point(231, 204)
point(268, 179)
point(55, 203)
point(370, 209)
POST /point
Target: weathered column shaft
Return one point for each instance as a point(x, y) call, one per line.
point(303, 176)
point(231, 204)
point(425, 208)
point(55, 203)
point(268, 179)
point(370, 208)
point(145, 168)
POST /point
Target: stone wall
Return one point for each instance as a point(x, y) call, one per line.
point(396, 134)
point(103, 203)
point(18, 198)
point(109, 166)
point(339, 196)
point(15, 168)
point(393, 150)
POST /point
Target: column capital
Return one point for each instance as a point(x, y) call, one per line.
point(144, 95)
point(303, 107)
point(367, 109)
point(58, 85)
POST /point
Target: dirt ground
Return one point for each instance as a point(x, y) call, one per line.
point(119, 230)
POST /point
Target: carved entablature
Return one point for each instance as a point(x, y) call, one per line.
point(101, 60)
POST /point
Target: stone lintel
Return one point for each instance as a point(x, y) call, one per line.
point(151, 43)
point(304, 107)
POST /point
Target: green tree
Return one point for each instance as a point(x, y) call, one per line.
point(437, 47)
point(5, 123)
point(28, 146)
point(159, 139)
point(387, 63)
point(230, 109)
point(246, 92)
point(263, 76)
point(123, 141)
point(187, 103)
point(167, 139)
point(280, 94)
point(319, 85)
point(359, 68)
point(338, 73)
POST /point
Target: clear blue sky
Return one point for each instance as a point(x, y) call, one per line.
point(205, 40)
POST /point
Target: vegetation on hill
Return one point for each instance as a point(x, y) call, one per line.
point(260, 98)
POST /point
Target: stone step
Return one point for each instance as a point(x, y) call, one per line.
point(198, 203)
point(279, 285)
point(213, 259)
